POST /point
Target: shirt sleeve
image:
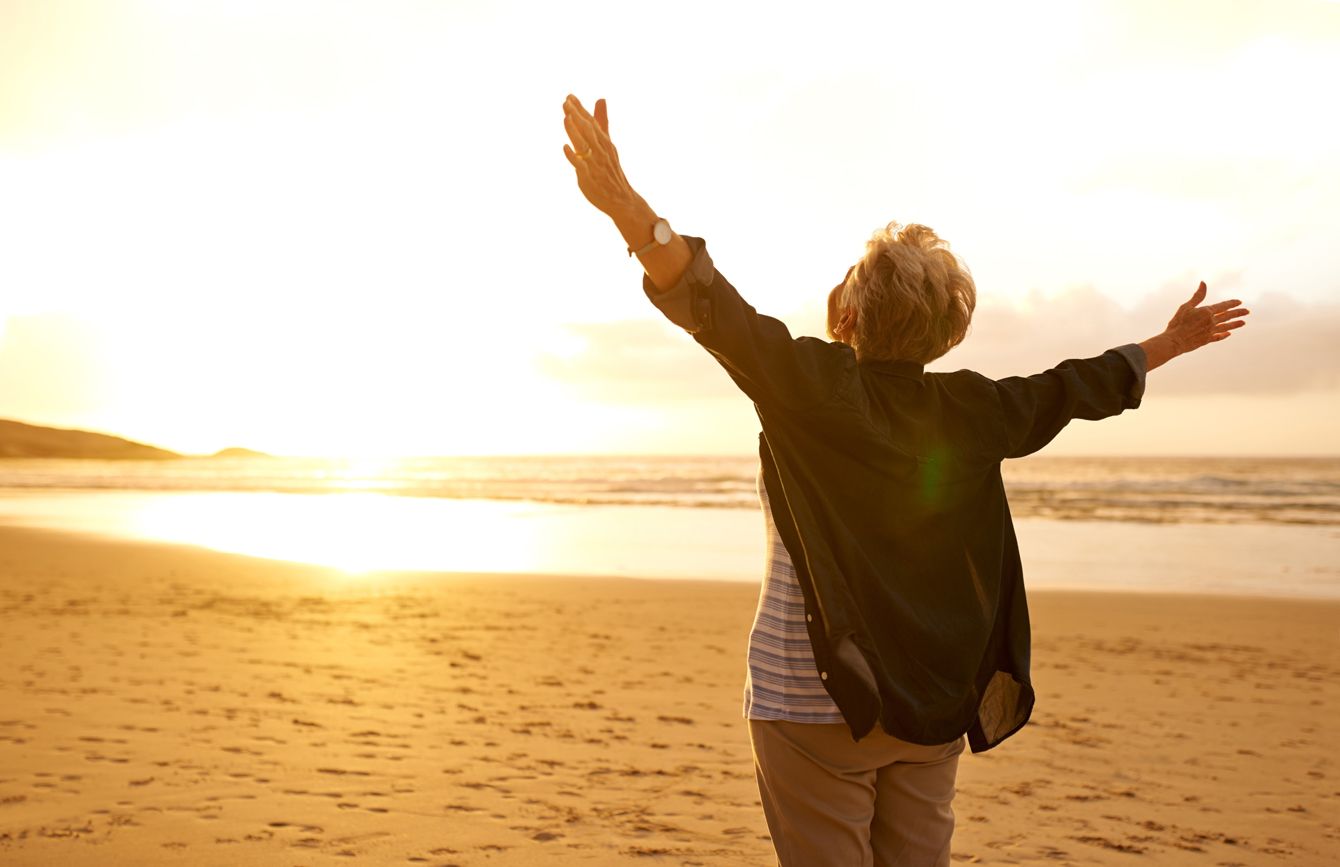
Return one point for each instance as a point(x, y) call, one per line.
point(1037, 407)
point(757, 351)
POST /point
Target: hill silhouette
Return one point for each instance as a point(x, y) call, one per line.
point(19, 440)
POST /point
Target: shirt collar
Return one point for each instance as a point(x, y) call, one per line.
point(907, 369)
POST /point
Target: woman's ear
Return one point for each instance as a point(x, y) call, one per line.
point(846, 325)
point(841, 321)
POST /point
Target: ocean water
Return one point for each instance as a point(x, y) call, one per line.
point(1221, 525)
point(1162, 490)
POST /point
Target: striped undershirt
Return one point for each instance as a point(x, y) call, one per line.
point(782, 682)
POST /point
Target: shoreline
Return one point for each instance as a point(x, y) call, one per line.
point(353, 579)
point(165, 704)
point(387, 533)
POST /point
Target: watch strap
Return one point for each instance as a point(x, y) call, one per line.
point(653, 243)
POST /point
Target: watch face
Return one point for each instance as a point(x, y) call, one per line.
point(661, 232)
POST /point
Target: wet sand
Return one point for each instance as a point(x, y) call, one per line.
point(170, 705)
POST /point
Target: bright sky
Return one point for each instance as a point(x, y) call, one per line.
point(327, 228)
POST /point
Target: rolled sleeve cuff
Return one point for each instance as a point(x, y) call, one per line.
point(688, 303)
point(1139, 363)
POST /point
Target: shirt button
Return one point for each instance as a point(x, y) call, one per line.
point(823, 675)
point(809, 618)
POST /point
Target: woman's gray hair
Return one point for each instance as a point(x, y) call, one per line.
point(913, 298)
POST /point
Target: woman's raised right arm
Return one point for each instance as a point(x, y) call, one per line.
point(1036, 408)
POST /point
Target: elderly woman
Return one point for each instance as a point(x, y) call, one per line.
point(892, 624)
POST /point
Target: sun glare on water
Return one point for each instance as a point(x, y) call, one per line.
point(353, 532)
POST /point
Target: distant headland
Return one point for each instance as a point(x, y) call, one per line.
point(20, 440)
point(238, 452)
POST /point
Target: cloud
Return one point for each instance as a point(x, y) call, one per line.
point(1288, 346)
point(637, 361)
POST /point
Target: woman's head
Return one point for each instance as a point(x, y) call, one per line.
point(908, 299)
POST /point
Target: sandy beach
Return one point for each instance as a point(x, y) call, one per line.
point(172, 705)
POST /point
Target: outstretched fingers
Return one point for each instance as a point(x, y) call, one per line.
point(594, 157)
point(575, 113)
point(1222, 306)
point(576, 132)
point(1224, 317)
point(594, 129)
point(1223, 324)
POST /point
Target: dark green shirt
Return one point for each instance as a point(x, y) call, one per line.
point(885, 488)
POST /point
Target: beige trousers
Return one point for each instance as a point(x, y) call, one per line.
point(831, 801)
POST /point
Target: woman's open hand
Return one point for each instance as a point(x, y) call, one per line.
point(1192, 327)
point(592, 154)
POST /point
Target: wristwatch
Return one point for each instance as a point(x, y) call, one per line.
point(661, 233)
